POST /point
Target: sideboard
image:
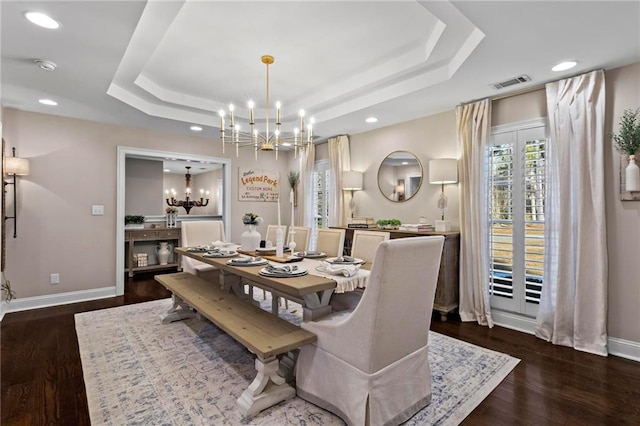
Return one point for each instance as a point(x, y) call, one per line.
point(145, 241)
point(447, 290)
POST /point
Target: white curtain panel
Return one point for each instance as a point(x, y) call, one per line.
point(473, 133)
point(307, 161)
point(573, 304)
point(339, 161)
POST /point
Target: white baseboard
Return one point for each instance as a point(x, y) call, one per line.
point(36, 302)
point(619, 347)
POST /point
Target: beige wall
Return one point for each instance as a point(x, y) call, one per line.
point(427, 138)
point(623, 217)
point(143, 187)
point(73, 166)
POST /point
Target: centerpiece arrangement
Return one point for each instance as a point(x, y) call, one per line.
point(389, 223)
point(250, 239)
point(628, 142)
point(172, 217)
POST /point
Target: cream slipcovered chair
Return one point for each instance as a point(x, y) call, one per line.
point(301, 237)
point(197, 233)
point(364, 244)
point(330, 241)
point(363, 247)
point(271, 233)
point(370, 365)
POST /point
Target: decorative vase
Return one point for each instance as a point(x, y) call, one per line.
point(164, 251)
point(632, 175)
point(250, 239)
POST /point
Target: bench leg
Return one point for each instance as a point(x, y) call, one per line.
point(287, 368)
point(178, 311)
point(261, 394)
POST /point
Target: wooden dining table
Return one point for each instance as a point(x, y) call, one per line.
point(313, 292)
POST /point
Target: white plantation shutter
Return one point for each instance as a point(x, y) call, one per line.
point(516, 185)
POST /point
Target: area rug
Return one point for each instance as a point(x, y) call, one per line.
point(138, 371)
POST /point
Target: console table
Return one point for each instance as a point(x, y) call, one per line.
point(148, 238)
point(447, 290)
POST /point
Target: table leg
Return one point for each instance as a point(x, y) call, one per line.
point(316, 305)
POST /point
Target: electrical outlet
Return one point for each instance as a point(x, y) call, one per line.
point(54, 279)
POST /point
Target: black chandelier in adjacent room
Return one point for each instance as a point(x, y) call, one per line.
point(187, 203)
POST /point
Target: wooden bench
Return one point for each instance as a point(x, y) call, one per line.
point(264, 334)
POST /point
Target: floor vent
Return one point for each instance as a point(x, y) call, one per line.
point(516, 80)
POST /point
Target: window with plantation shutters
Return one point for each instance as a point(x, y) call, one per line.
point(321, 199)
point(516, 190)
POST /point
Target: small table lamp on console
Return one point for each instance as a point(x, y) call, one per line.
point(352, 181)
point(441, 171)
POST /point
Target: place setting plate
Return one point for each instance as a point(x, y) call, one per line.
point(247, 261)
point(345, 260)
point(220, 254)
point(281, 271)
point(310, 254)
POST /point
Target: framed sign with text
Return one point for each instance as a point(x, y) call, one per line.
point(258, 184)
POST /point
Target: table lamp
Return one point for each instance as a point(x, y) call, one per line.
point(352, 181)
point(441, 171)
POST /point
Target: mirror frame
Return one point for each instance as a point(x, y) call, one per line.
point(403, 179)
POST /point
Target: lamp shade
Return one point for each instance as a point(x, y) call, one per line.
point(443, 170)
point(16, 166)
point(352, 180)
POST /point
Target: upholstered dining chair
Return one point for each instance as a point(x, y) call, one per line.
point(196, 233)
point(271, 233)
point(301, 237)
point(364, 244)
point(330, 241)
point(370, 366)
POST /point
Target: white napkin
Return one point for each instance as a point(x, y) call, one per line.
point(246, 259)
point(342, 269)
point(218, 244)
point(286, 269)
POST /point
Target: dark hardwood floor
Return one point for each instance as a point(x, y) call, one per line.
point(42, 380)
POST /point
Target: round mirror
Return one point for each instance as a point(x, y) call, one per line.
point(400, 176)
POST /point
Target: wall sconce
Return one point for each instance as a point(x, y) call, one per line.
point(352, 181)
point(441, 171)
point(15, 166)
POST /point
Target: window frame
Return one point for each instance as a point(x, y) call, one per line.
point(518, 134)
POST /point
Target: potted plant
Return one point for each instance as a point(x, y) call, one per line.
point(628, 142)
point(294, 177)
point(389, 223)
point(134, 221)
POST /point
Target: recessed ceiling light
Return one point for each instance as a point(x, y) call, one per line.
point(371, 120)
point(42, 20)
point(563, 66)
point(196, 128)
point(404, 163)
point(167, 170)
point(47, 102)
point(286, 144)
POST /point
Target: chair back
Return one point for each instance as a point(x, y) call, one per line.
point(364, 244)
point(271, 233)
point(331, 241)
point(301, 237)
point(394, 314)
point(196, 233)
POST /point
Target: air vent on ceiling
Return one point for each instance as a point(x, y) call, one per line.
point(516, 80)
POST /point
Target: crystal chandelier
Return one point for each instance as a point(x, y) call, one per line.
point(269, 140)
point(187, 203)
